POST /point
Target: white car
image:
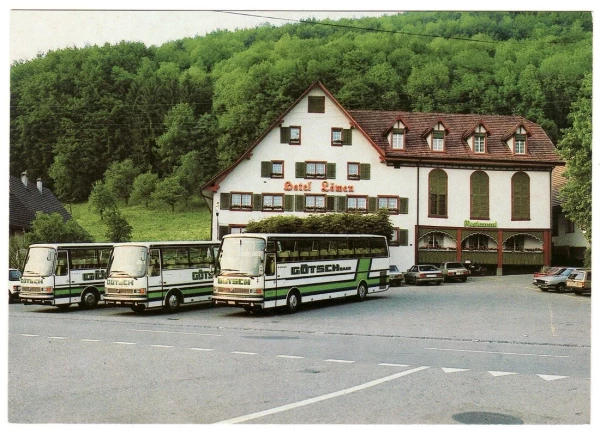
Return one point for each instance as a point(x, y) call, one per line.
point(14, 284)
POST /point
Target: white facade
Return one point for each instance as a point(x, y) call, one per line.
point(407, 181)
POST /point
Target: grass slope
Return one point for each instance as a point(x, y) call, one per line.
point(149, 224)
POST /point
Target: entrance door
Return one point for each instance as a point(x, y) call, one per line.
point(62, 283)
point(155, 281)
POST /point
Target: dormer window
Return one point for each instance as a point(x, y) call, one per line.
point(479, 143)
point(398, 138)
point(520, 144)
point(437, 143)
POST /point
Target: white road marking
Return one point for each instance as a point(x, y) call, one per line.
point(289, 357)
point(57, 337)
point(125, 343)
point(90, 340)
point(202, 349)
point(28, 335)
point(339, 361)
point(394, 364)
point(451, 370)
point(287, 407)
point(500, 373)
point(162, 346)
point(174, 333)
point(551, 377)
point(552, 329)
point(243, 352)
point(495, 352)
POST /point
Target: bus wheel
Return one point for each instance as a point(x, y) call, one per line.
point(293, 301)
point(361, 292)
point(138, 308)
point(89, 300)
point(172, 302)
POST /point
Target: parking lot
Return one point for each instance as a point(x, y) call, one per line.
point(490, 350)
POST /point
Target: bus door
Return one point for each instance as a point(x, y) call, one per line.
point(270, 287)
point(155, 281)
point(62, 278)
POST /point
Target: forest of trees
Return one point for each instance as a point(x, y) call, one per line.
point(187, 109)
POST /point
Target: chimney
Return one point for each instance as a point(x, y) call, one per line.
point(39, 185)
point(24, 179)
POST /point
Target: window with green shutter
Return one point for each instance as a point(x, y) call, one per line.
point(480, 196)
point(403, 205)
point(265, 169)
point(330, 170)
point(300, 169)
point(438, 193)
point(225, 201)
point(284, 134)
point(520, 196)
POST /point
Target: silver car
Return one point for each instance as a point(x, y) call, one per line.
point(418, 274)
point(557, 281)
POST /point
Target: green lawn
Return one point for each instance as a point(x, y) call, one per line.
point(150, 224)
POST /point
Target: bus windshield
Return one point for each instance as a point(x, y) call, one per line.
point(39, 262)
point(242, 255)
point(128, 261)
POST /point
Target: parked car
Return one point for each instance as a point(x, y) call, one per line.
point(548, 272)
point(555, 281)
point(428, 273)
point(14, 284)
point(580, 281)
point(454, 271)
point(396, 276)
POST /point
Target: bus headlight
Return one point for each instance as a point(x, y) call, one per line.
point(257, 291)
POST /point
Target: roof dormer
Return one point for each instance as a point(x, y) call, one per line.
point(436, 136)
point(396, 134)
point(477, 138)
point(517, 139)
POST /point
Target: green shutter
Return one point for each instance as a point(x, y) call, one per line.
point(300, 169)
point(225, 200)
point(266, 169)
point(316, 104)
point(256, 202)
point(372, 204)
point(288, 202)
point(520, 196)
point(330, 203)
point(403, 205)
point(403, 237)
point(341, 203)
point(365, 171)
point(347, 137)
point(284, 135)
point(330, 170)
point(300, 203)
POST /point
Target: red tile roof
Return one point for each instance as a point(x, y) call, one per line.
point(376, 124)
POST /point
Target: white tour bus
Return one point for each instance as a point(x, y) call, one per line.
point(162, 274)
point(263, 271)
point(62, 274)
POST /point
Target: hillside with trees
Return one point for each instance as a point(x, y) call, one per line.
point(159, 121)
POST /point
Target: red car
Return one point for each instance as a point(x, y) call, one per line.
point(549, 272)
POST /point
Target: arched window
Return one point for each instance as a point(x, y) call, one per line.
point(520, 196)
point(438, 193)
point(480, 196)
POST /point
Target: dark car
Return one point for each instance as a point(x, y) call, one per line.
point(427, 273)
point(396, 276)
point(454, 271)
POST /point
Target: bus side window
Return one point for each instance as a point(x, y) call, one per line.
point(61, 264)
point(154, 263)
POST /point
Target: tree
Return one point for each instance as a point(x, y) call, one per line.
point(50, 228)
point(576, 149)
point(119, 178)
point(101, 199)
point(169, 190)
point(119, 230)
point(143, 186)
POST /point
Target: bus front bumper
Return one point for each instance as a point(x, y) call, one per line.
point(254, 302)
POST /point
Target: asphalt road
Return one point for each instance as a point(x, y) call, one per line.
point(494, 350)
